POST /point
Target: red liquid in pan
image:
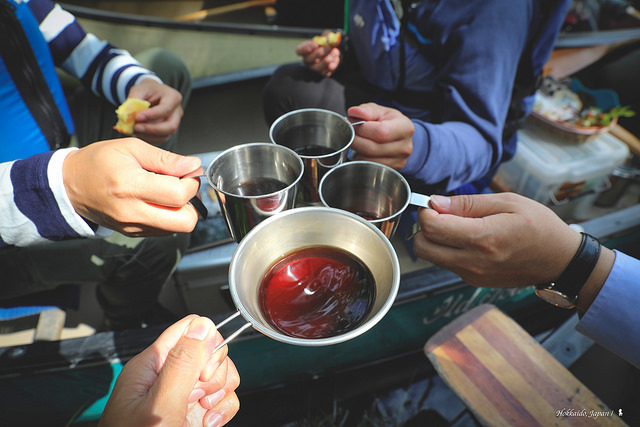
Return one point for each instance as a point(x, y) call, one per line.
point(317, 292)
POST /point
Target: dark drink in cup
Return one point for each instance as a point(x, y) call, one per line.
point(317, 292)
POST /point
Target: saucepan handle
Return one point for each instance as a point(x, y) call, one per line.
point(233, 335)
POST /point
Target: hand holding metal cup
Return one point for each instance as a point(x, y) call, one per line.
point(253, 182)
point(376, 192)
point(322, 139)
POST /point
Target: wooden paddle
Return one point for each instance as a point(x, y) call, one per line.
point(627, 137)
point(506, 378)
point(205, 13)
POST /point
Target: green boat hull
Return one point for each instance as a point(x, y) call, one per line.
point(73, 378)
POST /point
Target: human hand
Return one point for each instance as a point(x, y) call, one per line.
point(386, 137)
point(176, 381)
point(130, 186)
point(156, 124)
point(495, 240)
point(323, 60)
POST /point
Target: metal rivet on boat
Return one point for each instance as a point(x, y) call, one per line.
point(16, 352)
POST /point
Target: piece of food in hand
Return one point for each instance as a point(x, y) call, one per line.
point(330, 39)
point(126, 113)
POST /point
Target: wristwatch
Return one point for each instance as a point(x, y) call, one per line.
point(564, 291)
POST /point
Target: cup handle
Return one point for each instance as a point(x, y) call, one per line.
point(200, 207)
point(411, 233)
point(233, 335)
point(420, 200)
point(417, 200)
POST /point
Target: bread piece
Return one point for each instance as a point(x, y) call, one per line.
point(330, 39)
point(126, 113)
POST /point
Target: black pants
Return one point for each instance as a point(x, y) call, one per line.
point(618, 71)
point(129, 272)
point(294, 86)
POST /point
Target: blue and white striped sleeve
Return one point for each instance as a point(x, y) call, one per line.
point(34, 203)
point(108, 71)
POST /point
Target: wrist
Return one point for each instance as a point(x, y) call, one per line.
point(62, 183)
point(596, 280)
point(565, 291)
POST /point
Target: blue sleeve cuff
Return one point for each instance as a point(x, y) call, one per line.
point(613, 320)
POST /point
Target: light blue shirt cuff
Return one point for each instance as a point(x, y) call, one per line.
point(613, 320)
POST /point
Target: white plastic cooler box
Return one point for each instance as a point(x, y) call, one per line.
point(552, 171)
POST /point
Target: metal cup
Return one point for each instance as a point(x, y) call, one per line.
point(253, 182)
point(300, 228)
point(320, 137)
point(376, 192)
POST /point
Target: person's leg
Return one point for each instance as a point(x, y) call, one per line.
point(618, 72)
point(129, 272)
point(137, 270)
point(94, 117)
point(294, 86)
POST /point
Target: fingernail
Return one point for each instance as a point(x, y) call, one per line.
point(214, 420)
point(440, 201)
point(189, 162)
point(198, 329)
point(215, 398)
point(196, 395)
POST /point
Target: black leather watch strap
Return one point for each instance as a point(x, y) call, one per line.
point(579, 269)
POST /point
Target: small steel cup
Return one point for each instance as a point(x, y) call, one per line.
point(376, 192)
point(253, 182)
point(320, 137)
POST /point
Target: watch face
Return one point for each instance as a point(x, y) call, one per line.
point(554, 297)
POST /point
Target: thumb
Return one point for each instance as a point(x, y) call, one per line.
point(368, 112)
point(185, 361)
point(470, 205)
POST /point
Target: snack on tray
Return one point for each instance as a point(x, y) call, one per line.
point(331, 39)
point(126, 113)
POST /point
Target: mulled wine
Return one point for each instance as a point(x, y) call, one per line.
point(314, 150)
point(258, 187)
point(317, 292)
point(367, 215)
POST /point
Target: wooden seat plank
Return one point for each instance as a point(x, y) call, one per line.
point(506, 378)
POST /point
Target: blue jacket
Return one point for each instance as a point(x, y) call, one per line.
point(461, 59)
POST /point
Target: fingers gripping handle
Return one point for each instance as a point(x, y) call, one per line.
point(233, 335)
point(422, 201)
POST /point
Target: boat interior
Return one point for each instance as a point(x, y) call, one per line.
point(225, 109)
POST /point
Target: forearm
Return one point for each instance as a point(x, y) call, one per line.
point(449, 155)
point(107, 70)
